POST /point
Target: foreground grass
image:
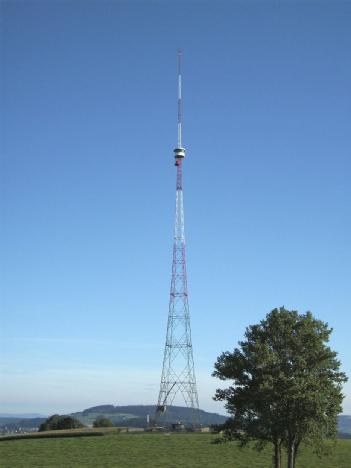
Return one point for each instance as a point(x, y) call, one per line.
point(152, 450)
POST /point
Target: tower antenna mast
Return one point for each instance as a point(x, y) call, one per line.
point(178, 372)
point(180, 110)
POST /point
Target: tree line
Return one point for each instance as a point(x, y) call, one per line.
point(57, 422)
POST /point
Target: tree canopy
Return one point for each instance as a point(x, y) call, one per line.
point(286, 384)
point(57, 422)
point(102, 422)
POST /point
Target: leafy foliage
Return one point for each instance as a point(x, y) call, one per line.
point(102, 422)
point(286, 384)
point(57, 422)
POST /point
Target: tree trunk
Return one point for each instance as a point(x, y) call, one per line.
point(291, 455)
point(295, 451)
point(280, 452)
point(277, 458)
point(277, 455)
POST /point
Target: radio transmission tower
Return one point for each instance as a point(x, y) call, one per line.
point(178, 374)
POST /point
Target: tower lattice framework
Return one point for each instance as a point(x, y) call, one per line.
point(178, 373)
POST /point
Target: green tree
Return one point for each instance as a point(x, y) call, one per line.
point(287, 384)
point(102, 422)
point(57, 422)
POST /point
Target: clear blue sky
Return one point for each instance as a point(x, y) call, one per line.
point(88, 109)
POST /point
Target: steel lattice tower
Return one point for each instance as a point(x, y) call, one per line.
point(178, 374)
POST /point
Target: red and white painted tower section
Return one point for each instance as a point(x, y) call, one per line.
point(178, 383)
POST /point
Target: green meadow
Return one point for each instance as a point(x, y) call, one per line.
point(153, 450)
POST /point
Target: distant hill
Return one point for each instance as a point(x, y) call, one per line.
point(344, 424)
point(22, 415)
point(135, 415)
point(14, 424)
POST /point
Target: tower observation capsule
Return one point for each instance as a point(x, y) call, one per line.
point(179, 155)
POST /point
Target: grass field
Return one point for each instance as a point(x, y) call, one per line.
point(152, 450)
